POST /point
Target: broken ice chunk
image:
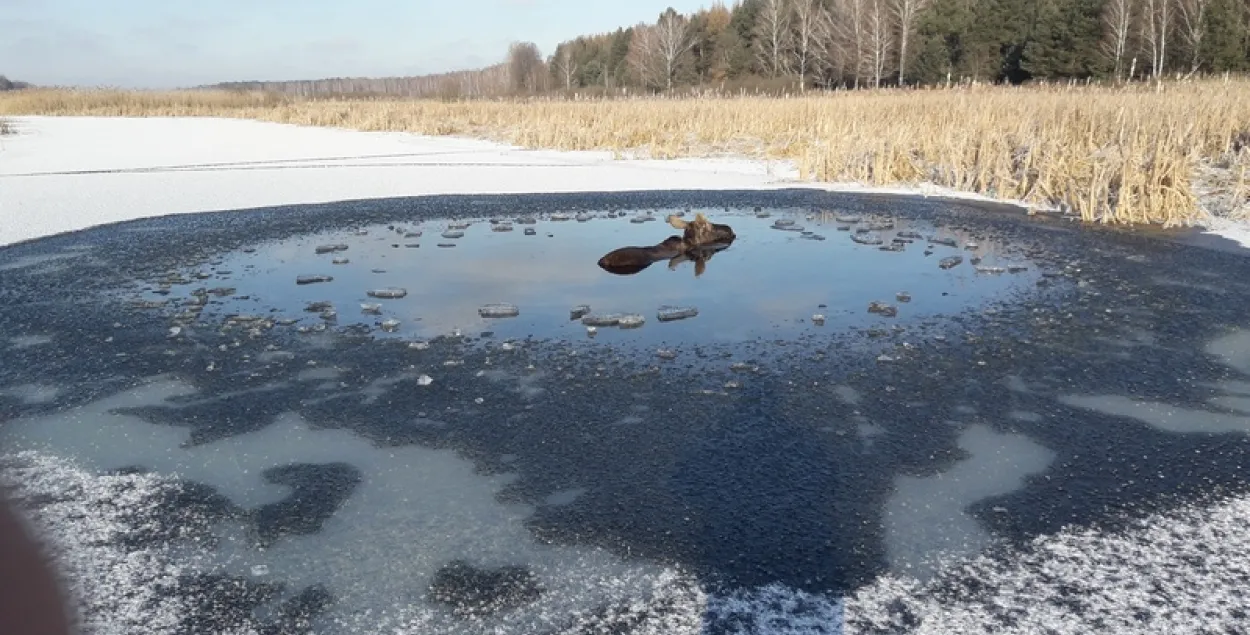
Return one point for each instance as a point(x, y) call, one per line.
point(388, 293)
point(502, 227)
point(325, 249)
point(631, 321)
point(499, 310)
point(583, 217)
point(424, 380)
point(867, 239)
point(390, 325)
point(882, 309)
point(578, 311)
point(453, 234)
point(311, 279)
point(950, 261)
point(669, 313)
point(818, 319)
point(611, 319)
point(340, 261)
point(787, 225)
point(370, 307)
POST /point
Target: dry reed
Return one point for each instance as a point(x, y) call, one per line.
point(1112, 154)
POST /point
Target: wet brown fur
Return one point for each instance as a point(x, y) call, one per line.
point(701, 231)
point(700, 239)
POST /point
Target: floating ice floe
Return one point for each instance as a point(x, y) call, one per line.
point(668, 313)
point(499, 310)
point(388, 293)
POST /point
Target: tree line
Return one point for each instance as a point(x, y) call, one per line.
point(9, 84)
point(773, 45)
point(858, 43)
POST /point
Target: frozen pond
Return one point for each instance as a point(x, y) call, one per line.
point(212, 444)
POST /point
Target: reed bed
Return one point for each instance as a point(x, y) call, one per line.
point(1126, 154)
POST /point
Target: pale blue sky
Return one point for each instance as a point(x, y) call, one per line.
point(171, 43)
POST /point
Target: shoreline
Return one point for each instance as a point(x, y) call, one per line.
point(47, 148)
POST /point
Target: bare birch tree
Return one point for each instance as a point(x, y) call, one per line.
point(1193, 14)
point(673, 39)
point(880, 38)
point(829, 53)
point(566, 66)
point(810, 29)
point(1118, 17)
point(644, 55)
point(772, 36)
point(850, 31)
point(1157, 19)
point(906, 12)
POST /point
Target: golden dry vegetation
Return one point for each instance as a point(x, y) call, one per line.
point(1113, 154)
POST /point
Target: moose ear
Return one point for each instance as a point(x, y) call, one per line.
point(676, 222)
point(700, 218)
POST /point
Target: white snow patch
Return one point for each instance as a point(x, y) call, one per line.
point(925, 518)
point(1231, 412)
point(80, 519)
point(1182, 572)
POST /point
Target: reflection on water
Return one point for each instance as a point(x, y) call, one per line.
point(779, 273)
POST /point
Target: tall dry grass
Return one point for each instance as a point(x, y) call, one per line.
point(1113, 154)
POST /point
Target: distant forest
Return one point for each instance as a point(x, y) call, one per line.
point(786, 45)
point(8, 84)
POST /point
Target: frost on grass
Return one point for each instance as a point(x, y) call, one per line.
point(84, 523)
point(1183, 572)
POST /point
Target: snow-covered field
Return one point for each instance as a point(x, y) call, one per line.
point(66, 174)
